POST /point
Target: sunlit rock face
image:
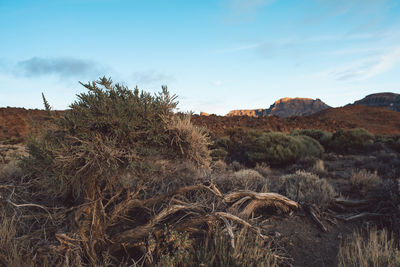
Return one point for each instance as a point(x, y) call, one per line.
point(285, 107)
point(387, 100)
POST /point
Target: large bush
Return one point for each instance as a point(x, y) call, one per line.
point(344, 141)
point(323, 137)
point(110, 135)
point(309, 147)
point(275, 148)
point(102, 154)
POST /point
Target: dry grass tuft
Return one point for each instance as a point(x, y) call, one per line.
point(191, 141)
point(263, 169)
point(365, 182)
point(377, 249)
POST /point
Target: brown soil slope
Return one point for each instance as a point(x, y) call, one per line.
point(15, 123)
point(377, 120)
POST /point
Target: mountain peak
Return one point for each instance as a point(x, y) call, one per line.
point(285, 107)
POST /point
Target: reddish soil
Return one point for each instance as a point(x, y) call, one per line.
point(378, 120)
point(375, 119)
point(16, 123)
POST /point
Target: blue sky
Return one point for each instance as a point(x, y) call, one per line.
point(216, 55)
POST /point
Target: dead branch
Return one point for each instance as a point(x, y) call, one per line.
point(143, 230)
point(230, 231)
point(352, 203)
point(271, 197)
point(362, 216)
point(310, 211)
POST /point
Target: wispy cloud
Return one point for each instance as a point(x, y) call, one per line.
point(151, 77)
point(60, 66)
point(368, 67)
point(296, 41)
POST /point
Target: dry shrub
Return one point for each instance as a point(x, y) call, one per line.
point(219, 166)
point(11, 152)
point(377, 249)
point(319, 168)
point(9, 171)
point(263, 169)
point(365, 182)
point(305, 187)
point(236, 166)
point(217, 250)
point(249, 179)
point(10, 252)
point(190, 140)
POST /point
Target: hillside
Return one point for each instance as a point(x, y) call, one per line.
point(375, 119)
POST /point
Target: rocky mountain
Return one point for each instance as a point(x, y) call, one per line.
point(285, 107)
point(387, 100)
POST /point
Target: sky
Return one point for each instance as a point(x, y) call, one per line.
point(215, 55)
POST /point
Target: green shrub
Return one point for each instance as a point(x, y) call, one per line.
point(223, 142)
point(377, 249)
point(305, 187)
point(240, 144)
point(275, 149)
point(351, 140)
point(323, 137)
point(218, 154)
point(309, 147)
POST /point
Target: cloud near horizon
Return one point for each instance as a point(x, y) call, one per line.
point(61, 66)
point(151, 77)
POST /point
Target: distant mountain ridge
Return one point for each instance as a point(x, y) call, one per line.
point(285, 107)
point(387, 100)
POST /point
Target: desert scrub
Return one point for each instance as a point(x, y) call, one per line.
point(263, 169)
point(377, 249)
point(249, 179)
point(304, 187)
point(275, 149)
point(344, 141)
point(323, 137)
point(309, 147)
point(365, 182)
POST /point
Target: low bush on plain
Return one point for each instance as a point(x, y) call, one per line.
point(353, 140)
point(305, 187)
point(365, 182)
